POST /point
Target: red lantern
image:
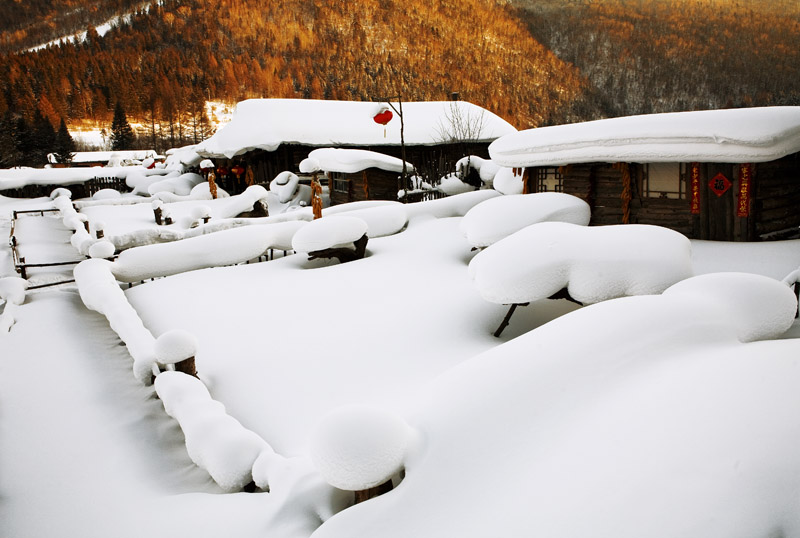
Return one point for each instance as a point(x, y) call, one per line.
point(238, 170)
point(383, 117)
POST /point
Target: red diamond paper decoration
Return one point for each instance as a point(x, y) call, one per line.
point(719, 184)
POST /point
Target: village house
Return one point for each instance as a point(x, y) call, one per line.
point(269, 136)
point(726, 175)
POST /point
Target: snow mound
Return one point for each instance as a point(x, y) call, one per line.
point(181, 185)
point(102, 249)
point(492, 220)
point(358, 447)
point(452, 206)
point(215, 441)
point(12, 289)
point(329, 232)
point(506, 182)
point(106, 194)
point(756, 306)
point(594, 263)
point(487, 170)
point(452, 185)
point(284, 186)
point(174, 346)
point(383, 219)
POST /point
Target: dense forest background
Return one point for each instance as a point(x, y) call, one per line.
point(533, 62)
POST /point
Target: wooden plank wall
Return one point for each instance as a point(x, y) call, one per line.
point(777, 197)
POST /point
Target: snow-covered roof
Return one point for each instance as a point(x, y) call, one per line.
point(105, 156)
point(268, 123)
point(732, 136)
point(350, 161)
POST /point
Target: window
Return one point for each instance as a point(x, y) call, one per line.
point(664, 180)
point(340, 184)
point(549, 179)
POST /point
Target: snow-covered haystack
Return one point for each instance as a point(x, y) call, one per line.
point(215, 441)
point(452, 206)
point(383, 218)
point(335, 231)
point(359, 447)
point(226, 247)
point(495, 219)
point(593, 263)
point(181, 185)
point(507, 182)
point(639, 416)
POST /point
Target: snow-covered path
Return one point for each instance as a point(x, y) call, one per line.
point(75, 425)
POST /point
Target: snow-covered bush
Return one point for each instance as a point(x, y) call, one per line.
point(106, 194)
point(359, 447)
point(593, 263)
point(284, 186)
point(492, 220)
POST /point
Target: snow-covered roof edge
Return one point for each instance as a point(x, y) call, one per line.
point(267, 123)
point(730, 136)
point(350, 161)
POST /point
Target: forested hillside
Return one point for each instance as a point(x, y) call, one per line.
point(166, 62)
point(669, 55)
point(28, 23)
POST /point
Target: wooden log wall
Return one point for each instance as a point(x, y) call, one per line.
point(382, 185)
point(777, 196)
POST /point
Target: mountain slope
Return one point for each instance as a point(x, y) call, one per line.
point(165, 61)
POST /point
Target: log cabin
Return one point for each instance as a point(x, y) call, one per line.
point(726, 175)
point(269, 136)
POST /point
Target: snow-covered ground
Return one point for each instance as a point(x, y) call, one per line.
point(660, 415)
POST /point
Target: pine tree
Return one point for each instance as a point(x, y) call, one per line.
point(65, 145)
point(121, 131)
point(42, 140)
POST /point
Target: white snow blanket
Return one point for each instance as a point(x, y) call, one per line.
point(486, 168)
point(492, 220)
point(268, 123)
point(350, 161)
point(730, 136)
point(593, 263)
point(641, 416)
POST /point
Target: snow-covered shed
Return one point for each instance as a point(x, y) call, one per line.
point(354, 175)
point(84, 159)
point(730, 175)
point(268, 136)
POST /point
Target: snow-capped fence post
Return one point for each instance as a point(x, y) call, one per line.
point(178, 348)
point(158, 212)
